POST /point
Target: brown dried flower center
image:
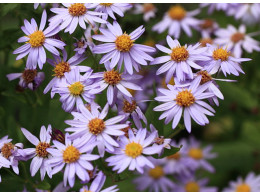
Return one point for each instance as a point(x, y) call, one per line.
point(205, 76)
point(237, 37)
point(77, 9)
point(207, 24)
point(29, 75)
point(148, 7)
point(129, 107)
point(6, 150)
point(41, 149)
point(206, 41)
point(112, 77)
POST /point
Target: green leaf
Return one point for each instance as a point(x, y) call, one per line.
point(168, 152)
point(44, 185)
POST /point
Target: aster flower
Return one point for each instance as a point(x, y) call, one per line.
point(235, 39)
point(219, 6)
point(39, 153)
point(148, 10)
point(175, 19)
point(248, 12)
point(91, 125)
point(75, 156)
point(63, 65)
point(36, 40)
point(221, 60)
point(250, 184)
point(120, 47)
point(36, 5)
point(180, 59)
point(131, 152)
point(97, 185)
point(6, 151)
point(154, 179)
point(74, 88)
point(187, 99)
point(115, 83)
point(75, 14)
point(111, 8)
point(80, 45)
point(207, 27)
point(29, 78)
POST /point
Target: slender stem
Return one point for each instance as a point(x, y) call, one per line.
point(175, 133)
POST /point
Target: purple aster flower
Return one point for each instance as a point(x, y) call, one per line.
point(131, 152)
point(219, 7)
point(180, 59)
point(97, 185)
point(236, 39)
point(63, 65)
point(187, 99)
point(36, 40)
point(111, 8)
point(175, 19)
point(155, 179)
point(75, 14)
point(250, 184)
point(80, 45)
point(207, 27)
point(192, 184)
point(29, 78)
point(91, 125)
point(39, 153)
point(249, 13)
point(74, 88)
point(120, 47)
point(147, 9)
point(36, 5)
point(75, 156)
point(221, 60)
point(115, 83)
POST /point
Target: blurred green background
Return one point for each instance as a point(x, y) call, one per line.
point(234, 131)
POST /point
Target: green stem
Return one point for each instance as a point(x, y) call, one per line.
point(175, 133)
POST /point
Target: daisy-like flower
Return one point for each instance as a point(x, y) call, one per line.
point(198, 156)
point(207, 27)
point(180, 59)
point(248, 12)
point(29, 78)
point(131, 152)
point(192, 184)
point(91, 125)
point(63, 65)
point(74, 88)
point(75, 14)
point(221, 60)
point(111, 8)
point(148, 10)
point(75, 156)
point(36, 40)
point(6, 151)
point(39, 153)
point(250, 184)
point(219, 6)
point(175, 19)
point(120, 47)
point(187, 100)
point(155, 179)
point(80, 45)
point(235, 39)
point(97, 185)
point(115, 83)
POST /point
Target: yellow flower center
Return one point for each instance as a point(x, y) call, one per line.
point(177, 12)
point(207, 24)
point(41, 149)
point(106, 4)
point(124, 43)
point(237, 37)
point(185, 98)
point(243, 188)
point(96, 126)
point(76, 88)
point(221, 54)
point(171, 82)
point(36, 39)
point(71, 154)
point(196, 153)
point(205, 76)
point(192, 187)
point(129, 107)
point(175, 156)
point(179, 53)
point(205, 41)
point(156, 173)
point(133, 149)
point(112, 77)
point(6, 150)
point(61, 68)
point(147, 7)
point(77, 9)
point(29, 75)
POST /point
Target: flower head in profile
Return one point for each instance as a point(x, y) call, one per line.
point(176, 19)
point(97, 184)
point(36, 41)
point(75, 156)
point(147, 9)
point(121, 47)
point(132, 152)
point(39, 152)
point(188, 100)
point(74, 14)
